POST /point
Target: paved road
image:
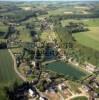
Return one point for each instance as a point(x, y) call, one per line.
point(76, 95)
point(51, 61)
point(19, 74)
point(15, 66)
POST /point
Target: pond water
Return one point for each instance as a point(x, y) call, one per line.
point(66, 69)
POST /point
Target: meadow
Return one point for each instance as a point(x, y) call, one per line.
point(24, 34)
point(7, 73)
point(3, 30)
point(67, 70)
point(89, 38)
point(80, 98)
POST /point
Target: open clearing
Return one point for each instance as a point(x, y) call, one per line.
point(24, 34)
point(48, 36)
point(80, 98)
point(89, 22)
point(67, 70)
point(7, 73)
point(89, 39)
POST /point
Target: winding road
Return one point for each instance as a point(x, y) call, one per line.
point(19, 74)
point(15, 66)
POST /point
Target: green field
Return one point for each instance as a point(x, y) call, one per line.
point(3, 29)
point(89, 38)
point(89, 22)
point(60, 11)
point(80, 98)
point(24, 34)
point(67, 70)
point(7, 73)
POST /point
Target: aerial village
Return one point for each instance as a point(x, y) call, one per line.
point(43, 84)
point(31, 59)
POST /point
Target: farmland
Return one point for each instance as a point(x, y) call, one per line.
point(89, 38)
point(3, 29)
point(24, 34)
point(93, 22)
point(67, 70)
point(80, 98)
point(7, 73)
point(53, 45)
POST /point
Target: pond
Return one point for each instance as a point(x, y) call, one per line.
point(66, 69)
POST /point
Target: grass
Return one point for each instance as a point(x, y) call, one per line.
point(7, 73)
point(17, 50)
point(67, 69)
point(44, 36)
point(92, 22)
point(74, 86)
point(60, 11)
point(3, 29)
point(80, 98)
point(47, 36)
point(24, 34)
point(68, 9)
point(89, 39)
point(89, 22)
point(2, 94)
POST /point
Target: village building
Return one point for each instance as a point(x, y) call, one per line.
point(89, 67)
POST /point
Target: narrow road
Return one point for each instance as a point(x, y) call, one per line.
point(19, 74)
point(76, 95)
point(48, 62)
point(15, 66)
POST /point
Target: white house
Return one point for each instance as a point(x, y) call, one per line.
point(90, 68)
point(33, 63)
point(41, 98)
point(31, 93)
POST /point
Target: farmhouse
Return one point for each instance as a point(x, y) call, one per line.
point(90, 68)
point(31, 92)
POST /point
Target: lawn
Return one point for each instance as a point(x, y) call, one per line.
point(92, 22)
point(24, 34)
point(66, 10)
point(17, 50)
point(60, 11)
point(80, 98)
point(7, 73)
point(89, 38)
point(67, 69)
point(3, 29)
point(89, 22)
point(48, 36)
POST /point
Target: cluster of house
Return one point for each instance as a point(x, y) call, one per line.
point(27, 91)
point(92, 88)
point(89, 67)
